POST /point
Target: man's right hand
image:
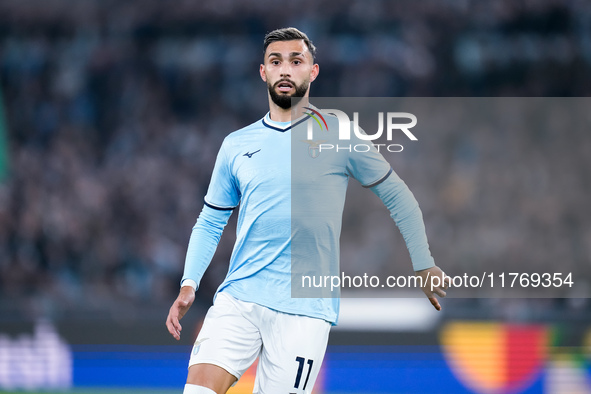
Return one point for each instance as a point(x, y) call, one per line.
point(178, 309)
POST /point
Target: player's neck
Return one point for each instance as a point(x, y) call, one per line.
point(278, 114)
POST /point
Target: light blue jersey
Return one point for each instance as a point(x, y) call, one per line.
point(254, 170)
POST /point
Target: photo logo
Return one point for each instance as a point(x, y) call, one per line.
point(390, 119)
point(313, 116)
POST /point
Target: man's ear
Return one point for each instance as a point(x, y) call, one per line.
point(262, 72)
point(314, 72)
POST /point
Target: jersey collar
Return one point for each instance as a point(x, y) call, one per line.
point(281, 126)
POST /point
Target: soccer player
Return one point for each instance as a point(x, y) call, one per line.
point(254, 313)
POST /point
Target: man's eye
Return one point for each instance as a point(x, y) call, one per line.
point(275, 62)
point(297, 62)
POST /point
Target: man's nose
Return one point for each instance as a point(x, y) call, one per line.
point(285, 71)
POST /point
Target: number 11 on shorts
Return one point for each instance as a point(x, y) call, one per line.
point(301, 361)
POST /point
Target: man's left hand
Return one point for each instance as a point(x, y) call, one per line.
point(434, 282)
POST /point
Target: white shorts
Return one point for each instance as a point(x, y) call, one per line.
point(290, 347)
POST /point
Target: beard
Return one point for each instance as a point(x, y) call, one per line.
point(285, 100)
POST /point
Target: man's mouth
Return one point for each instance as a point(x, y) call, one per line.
point(284, 86)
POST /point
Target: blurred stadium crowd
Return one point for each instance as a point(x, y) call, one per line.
point(115, 111)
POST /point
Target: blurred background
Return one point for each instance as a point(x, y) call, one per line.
point(111, 115)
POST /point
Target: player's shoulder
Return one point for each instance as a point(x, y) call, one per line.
point(247, 130)
point(328, 117)
point(239, 136)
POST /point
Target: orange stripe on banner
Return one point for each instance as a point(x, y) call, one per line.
point(246, 382)
point(475, 354)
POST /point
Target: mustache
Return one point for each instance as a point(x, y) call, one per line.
point(284, 80)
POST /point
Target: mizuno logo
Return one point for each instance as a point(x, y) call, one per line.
point(249, 155)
